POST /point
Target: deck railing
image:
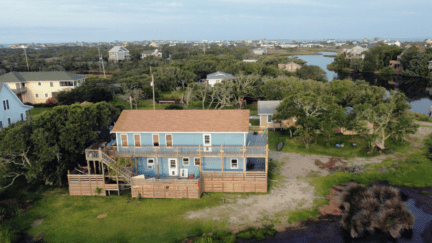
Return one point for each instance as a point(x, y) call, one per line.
point(233, 175)
point(206, 151)
point(20, 90)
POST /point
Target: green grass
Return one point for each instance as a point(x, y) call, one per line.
point(422, 117)
point(302, 214)
point(73, 218)
point(38, 110)
point(425, 192)
point(323, 148)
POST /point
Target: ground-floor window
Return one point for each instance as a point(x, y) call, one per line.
point(234, 163)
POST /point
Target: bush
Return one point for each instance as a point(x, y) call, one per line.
point(174, 107)
point(52, 101)
point(367, 208)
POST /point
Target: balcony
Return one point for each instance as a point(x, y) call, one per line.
point(20, 90)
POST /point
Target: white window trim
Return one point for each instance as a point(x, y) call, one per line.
point(268, 116)
point(195, 162)
point(169, 166)
point(158, 140)
point(139, 139)
point(37, 95)
point(205, 134)
point(46, 95)
point(183, 161)
point(166, 141)
point(231, 165)
point(150, 165)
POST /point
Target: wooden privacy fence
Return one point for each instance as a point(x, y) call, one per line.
point(217, 181)
point(167, 188)
point(87, 184)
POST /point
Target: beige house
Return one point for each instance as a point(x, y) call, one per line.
point(355, 52)
point(155, 53)
point(38, 87)
point(291, 66)
point(260, 51)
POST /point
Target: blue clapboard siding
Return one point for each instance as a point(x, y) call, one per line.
point(187, 139)
point(163, 166)
point(214, 164)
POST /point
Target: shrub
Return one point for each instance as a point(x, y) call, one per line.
point(365, 209)
point(174, 107)
point(51, 101)
point(425, 192)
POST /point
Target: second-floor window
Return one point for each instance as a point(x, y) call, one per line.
point(169, 142)
point(197, 161)
point(124, 140)
point(207, 139)
point(66, 83)
point(155, 140)
point(6, 104)
point(269, 118)
point(40, 83)
point(51, 84)
point(137, 138)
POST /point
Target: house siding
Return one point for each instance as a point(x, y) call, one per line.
point(163, 166)
point(187, 139)
point(15, 107)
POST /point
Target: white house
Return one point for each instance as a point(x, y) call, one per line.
point(155, 53)
point(12, 109)
point(217, 77)
point(118, 53)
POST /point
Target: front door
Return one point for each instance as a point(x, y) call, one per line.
point(172, 167)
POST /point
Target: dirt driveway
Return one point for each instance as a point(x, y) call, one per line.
point(293, 193)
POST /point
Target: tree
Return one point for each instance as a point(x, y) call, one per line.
point(386, 120)
point(187, 97)
point(201, 92)
point(415, 63)
point(312, 72)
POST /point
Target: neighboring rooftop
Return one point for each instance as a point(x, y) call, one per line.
point(219, 75)
point(39, 76)
point(267, 107)
point(182, 121)
point(117, 49)
point(149, 52)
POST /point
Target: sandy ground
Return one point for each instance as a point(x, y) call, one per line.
point(291, 194)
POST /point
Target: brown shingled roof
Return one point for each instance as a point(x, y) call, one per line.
point(183, 121)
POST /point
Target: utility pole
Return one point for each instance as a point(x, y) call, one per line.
point(130, 101)
point(28, 69)
point(101, 60)
point(153, 84)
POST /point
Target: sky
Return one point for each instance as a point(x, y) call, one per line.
point(48, 21)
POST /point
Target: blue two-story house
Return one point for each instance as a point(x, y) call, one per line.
point(11, 108)
point(213, 147)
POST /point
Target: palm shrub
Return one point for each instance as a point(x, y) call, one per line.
point(378, 207)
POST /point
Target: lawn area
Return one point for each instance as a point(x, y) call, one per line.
point(74, 218)
point(321, 146)
point(38, 110)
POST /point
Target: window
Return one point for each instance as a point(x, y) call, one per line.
point(22, 117)
point(37, 95)
point(197, 161)
point(124, 141)
point(169, 142)
point(6, 104)
point(155, 140)
point(46, 95)
point(9, 121)
point(1, 124)
point(66, 83)
point(51, 84)
point(185, 161)
point(269, 118)
point(234, 164)
point(183, 172)
point(39, 83)
point(150, 163)
point(207, 139)
point(137, 139)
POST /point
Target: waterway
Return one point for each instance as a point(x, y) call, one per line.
point(417, 90)
point(330, 230)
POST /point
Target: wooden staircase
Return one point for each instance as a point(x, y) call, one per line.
point(98, 154)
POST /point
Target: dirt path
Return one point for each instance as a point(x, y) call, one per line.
point(291, 194)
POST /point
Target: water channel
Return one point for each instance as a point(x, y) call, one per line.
point(417, 90)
